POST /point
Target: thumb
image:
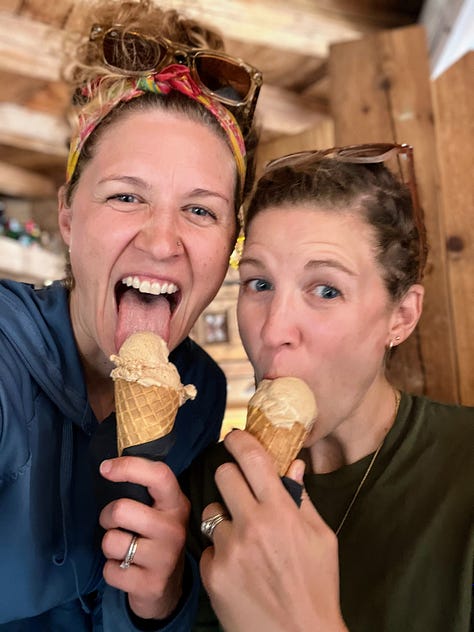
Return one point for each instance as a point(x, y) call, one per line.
point(296, 471)
point(307, 509)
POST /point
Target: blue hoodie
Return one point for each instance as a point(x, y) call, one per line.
point(51, 562)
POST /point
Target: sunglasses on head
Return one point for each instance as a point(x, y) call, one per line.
point(371, 153)
point(228, 79)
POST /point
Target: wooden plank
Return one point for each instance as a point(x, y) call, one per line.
point(453, 96)
point(380, 91)
point(298, 25)
point(30, 48)
point(21, 127)
point(283, 112)
point(317, 137)
point(22, 183)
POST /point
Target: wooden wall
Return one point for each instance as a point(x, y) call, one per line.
point(381, 91)
point(453, 98)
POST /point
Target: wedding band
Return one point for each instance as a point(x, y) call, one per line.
point(208, 526)
point(132, 549)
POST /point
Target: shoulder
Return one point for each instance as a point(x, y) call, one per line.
point(444, 431)
point(22, 303)
point(445, 418)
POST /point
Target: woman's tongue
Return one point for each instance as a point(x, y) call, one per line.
point(142, 312)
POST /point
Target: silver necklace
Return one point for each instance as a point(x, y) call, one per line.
point(367, 471)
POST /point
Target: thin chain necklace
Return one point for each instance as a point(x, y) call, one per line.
point(367, 471)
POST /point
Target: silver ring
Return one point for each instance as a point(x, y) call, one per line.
point(132, 549)
point(208, 526)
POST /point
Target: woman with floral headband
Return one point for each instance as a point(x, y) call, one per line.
point(160, 161)
point(330, 283)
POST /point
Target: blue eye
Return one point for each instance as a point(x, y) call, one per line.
point(124, 197)
point(259, 285)
point(201, 212)
point(326, 291)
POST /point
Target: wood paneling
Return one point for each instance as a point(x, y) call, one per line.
point(453, 94)
point(380, 91)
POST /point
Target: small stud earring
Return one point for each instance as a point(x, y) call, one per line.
point(394, 342)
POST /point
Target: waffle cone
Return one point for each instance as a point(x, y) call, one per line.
point(144, 413)
point(282, 442)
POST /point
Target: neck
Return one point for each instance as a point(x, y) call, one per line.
point(96, 367)
point(360, 433)
point(100, 388)
point(101, 395)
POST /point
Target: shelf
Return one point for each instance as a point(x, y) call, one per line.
point(32, 264)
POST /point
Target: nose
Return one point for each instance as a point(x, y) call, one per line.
point(280, 327)
point(159, 235)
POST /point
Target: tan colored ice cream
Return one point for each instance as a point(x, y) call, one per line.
point(148, 390)
point(143, 358)
point(285, 400)
point(280, 414)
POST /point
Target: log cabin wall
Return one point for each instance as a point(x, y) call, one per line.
point(453, 98)
point(381, 92)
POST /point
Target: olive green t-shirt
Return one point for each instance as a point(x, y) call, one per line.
point(406, 550)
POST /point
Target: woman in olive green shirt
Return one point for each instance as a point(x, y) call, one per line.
point(383, 540)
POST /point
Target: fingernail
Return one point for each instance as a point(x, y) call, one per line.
point(298, 471)
point(105, 467)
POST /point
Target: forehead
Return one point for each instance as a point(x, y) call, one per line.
point(296, 232)
point(158, 138)
point(154, 120)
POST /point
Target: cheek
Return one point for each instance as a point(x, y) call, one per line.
point(248, 324)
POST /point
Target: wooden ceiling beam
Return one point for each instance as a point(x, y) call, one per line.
point(283, 112)
point(22, 183)
point(27, 129)
point(301, 25)
point(30, 48)
point(34, 48)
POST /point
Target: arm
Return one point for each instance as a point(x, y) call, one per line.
point(156, 597)
point(273, 566)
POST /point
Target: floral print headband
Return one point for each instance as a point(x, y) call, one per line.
point(174, 77)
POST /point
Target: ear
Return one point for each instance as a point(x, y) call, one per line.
point(64, 216)
point(406, 315)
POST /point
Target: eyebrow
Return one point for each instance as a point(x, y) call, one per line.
point(312, 263)
point(128, 179)
point(328, 263)
point(141, 183)
point(250, 261)
point(206, 192)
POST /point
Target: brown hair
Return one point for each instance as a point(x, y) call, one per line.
point(339, 186)
point(83, 69)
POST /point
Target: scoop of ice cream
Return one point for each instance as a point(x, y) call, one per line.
point(284, 401)
point(143, 358)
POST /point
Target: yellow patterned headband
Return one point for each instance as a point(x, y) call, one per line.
point(174, 77)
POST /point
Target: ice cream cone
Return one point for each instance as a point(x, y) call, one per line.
point(282, 443)
point(280, 415)
point(148, 390)
point(144, 413)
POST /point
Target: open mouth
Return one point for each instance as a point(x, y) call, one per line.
point(147, 291)
point(144, 305)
